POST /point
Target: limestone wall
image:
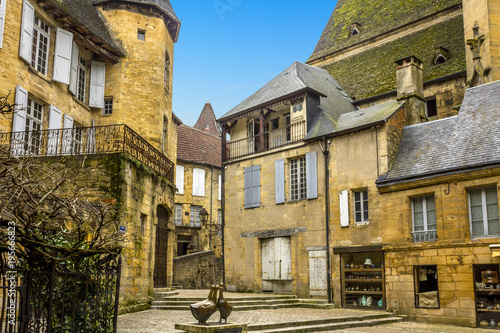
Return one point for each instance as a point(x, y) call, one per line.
point(197, 270)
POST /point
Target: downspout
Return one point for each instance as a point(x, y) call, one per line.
point(211, 198)
point(223, 201)
point(326, 154)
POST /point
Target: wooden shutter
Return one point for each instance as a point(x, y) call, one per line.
point(97, 81)
point(312, 175)
point(279, 180)
point(62, 56)
point(344, 208)
point(55, 116)
point(199, 182)
point(256, 186)
point(268, 259)
point(317, 273)
point(285, 260)
point(19, 121)
point(179, 179)
point(2, 20)
point(25, 45)
point(73, 77)
point(91, 139)
point(67, 140)
point(247, 187)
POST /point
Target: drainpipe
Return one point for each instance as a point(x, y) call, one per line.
point(327, 220)
point(211, 197)
point(223, 201)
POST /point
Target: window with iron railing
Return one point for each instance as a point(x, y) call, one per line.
point(424, 219)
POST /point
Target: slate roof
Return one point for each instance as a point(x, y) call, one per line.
point(469, 140)
point(207, 122)
point(374, 17)
point(85, 14)
point(297, 78)
point(325, 126)
point(197, 146)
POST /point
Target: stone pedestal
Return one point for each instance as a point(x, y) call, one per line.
point(213, 328)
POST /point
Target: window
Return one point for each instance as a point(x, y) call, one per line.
point(141, 34)
point(77, 138)
point(40, 49)
point(179, 179)
point(108, 106)
point(483, 212)
point(199, 182)
point(178, 214)
point(82, 73)
point(166, 78)
point(361, 206)
point(431, 108)
point(164, 139)
point(251, 187)
point(2, 19)
point(426, 286)
point(219, 222)
point(34, 124)
point(195, 216)
point(298, 185)
point(144, 219)
point(424, 219)
point(355, 29)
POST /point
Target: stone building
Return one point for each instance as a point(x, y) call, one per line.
point(406, 217)
point(198, 183)
point(94, 78)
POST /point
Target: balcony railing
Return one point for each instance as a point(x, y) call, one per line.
point(424, 236)
point(87, 141)
point(266, 141)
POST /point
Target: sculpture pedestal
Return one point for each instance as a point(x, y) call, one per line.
point(213, 328)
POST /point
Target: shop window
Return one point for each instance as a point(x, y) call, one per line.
point(426, 286)
point(361, 207)
point(483, 212)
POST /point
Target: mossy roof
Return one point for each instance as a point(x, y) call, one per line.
point(374, 17)
point(374, 70)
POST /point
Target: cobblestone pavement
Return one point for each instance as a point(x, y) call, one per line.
point(162, 321)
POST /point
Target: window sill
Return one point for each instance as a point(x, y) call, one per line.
point(105, 115)
point(40, 75)
point(361, 223)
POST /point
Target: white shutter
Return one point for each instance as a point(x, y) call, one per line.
point(268, 259)
point(55, 116)
point(97, 80)
point(285, 259)
point(279, 180)
point(91, 139)
point(25, 44)
point(73, 77)
point(2, 19)
point(220, 187)
point(19, 121)
point(312, 175)
point(62, 56)
point(199, 182)
point(344, 208)
point(179, 179)
point(67, 135)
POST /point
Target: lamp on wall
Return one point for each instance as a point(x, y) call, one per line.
point(203, 215)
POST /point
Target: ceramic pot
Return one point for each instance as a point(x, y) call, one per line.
point(483, 323)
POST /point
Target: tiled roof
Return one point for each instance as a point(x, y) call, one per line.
point(296, 78)
point(197, 146)
point(85, 14)
point(325, 125)
point(469, 140)
point(207, 121)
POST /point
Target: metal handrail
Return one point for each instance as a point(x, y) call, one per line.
point(87, 141)
point(266, 141)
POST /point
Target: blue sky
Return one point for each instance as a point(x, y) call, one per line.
point(228, 49)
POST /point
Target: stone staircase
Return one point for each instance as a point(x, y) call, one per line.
point(330, 324)
point(168, 300)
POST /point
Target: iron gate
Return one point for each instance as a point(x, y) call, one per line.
point(161, 254)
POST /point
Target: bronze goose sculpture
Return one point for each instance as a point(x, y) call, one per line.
point(204, 309)
point(224, 307)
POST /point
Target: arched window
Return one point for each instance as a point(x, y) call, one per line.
point(355, 29)
point(439, 59)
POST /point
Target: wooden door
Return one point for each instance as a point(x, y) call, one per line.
point(276, 264)
point(317, 273)
point(161, 247)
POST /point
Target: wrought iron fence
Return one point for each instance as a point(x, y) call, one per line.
point(87, 141)
point(424, 236)
point(64, 297)
point(266, 141)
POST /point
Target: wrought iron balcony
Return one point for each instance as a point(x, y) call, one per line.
point(87, 141)
point(424, 236)
point(266, 141)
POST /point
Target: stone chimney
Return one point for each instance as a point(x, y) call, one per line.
point(410, 88)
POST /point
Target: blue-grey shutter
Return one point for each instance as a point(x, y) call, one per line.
point(256, 186)
point(247, 187)
point(312, 175)
point(279, 180)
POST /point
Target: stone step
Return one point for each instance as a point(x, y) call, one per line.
point(263, 306)
point(330, 326)
point(234, 299)
point(166, 301)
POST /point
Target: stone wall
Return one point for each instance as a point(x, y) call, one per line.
point(197, 270)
